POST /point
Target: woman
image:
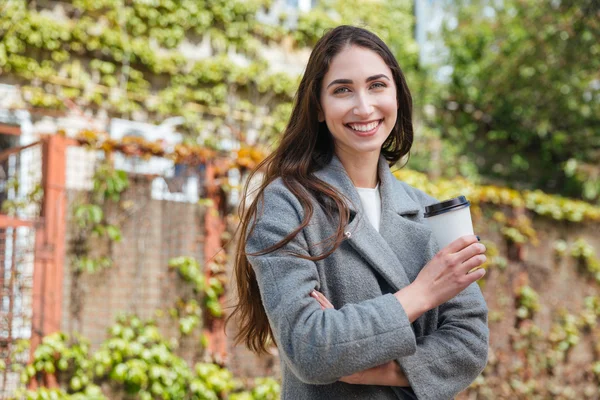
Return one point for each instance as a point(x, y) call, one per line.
point(331, 226)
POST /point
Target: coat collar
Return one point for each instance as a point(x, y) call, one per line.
point(393, 196)
point(383, 250)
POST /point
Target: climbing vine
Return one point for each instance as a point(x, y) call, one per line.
point(90, 220)
point(135, 359)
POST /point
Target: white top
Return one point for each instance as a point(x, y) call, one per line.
point(371, 203)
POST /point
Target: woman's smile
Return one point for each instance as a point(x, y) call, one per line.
point(359, 104)
point(365, 129)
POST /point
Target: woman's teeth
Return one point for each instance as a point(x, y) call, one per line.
point(363, 127)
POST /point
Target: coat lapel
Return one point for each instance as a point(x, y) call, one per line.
point(401, 224)
point(380, 249)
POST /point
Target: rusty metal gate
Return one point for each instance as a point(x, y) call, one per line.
point(32, 195)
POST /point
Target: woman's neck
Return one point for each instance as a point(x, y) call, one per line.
point(362, 170)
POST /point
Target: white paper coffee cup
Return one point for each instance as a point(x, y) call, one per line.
point(449, 220)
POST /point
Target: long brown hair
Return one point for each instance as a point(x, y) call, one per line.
point(306, 146)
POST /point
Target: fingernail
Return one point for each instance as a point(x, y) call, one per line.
point(313, 293)
point(478, 238)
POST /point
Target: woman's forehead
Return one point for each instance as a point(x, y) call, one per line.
point(356, 62)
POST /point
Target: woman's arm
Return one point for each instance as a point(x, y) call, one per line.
point(319, 346)
point(448, 360)
point(388, 374)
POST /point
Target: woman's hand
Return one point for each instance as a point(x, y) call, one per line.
point(445, 276)
point(388, 374)
point(323, 302)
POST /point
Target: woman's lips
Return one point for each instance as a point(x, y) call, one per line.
point(365, 133)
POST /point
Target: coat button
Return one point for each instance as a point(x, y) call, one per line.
point(348, 234)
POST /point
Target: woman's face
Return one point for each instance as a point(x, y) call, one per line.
point(358, 100)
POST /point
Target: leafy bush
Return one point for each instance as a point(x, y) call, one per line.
point(135, 361)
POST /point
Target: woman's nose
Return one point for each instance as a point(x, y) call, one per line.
point(362, 107)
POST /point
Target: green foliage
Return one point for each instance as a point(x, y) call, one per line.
point(265, 389)
point(565, 334)
point(138, 43)
point(586, 256)
point(22, 201)
point(88, 214)
point(188, 314)
point(137, 360)
point(392, 20)
point(189, 270)
point(560, 248)
point(91, 392)
point(90, 220)
point(540, 357)
point(42, 48)
point(91, 264)
point(109, 183)
point(68, 360)
point(134, 361)
point(523, 100)
point(555, 207)
point(527, 302)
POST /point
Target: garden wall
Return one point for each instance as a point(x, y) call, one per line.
point(139, 281)
point(550, 352)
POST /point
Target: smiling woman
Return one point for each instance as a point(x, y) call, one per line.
point(335, 264)
point(359, 109)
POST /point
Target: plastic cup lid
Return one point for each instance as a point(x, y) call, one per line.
point(445, 206)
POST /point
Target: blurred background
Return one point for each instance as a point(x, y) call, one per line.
point(127, 128)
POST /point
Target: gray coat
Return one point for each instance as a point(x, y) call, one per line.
point(441, 353)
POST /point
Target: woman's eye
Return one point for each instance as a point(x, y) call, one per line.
point(378, 85)
point(341, 90)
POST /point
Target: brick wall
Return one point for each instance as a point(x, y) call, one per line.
point(139, 281)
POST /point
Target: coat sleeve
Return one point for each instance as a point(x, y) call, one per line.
point(319, 346)
point(448, 360)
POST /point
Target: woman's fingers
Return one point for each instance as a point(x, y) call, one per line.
point(461, 243)
point(469, 252)
point(321, 299)
point(451, 270)
point(473, 262)
point(476, 275)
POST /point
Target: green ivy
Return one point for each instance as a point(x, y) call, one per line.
point(22, 202)
point(208, 82)
point(190, 271)
point(552, 206)
point(134, 361)
point(134, 46)
point(527, 302)
point(90, 221)
point(188, 313)
point(585, 254)
point(67, 359)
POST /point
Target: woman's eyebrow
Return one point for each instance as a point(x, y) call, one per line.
point(348, 81)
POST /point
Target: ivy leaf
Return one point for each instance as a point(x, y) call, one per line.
point(114, 233)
